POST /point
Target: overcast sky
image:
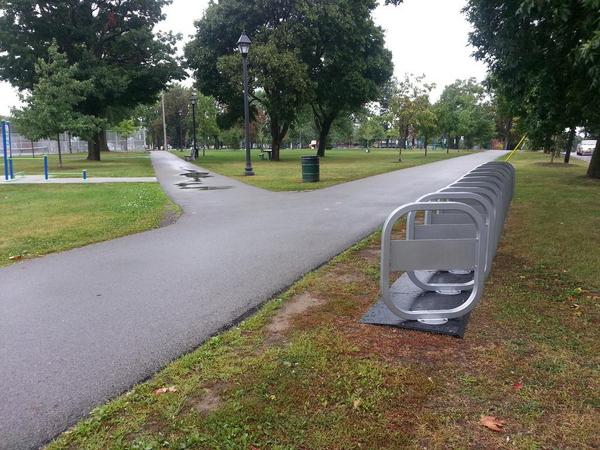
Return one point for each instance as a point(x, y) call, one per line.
point(425, 36)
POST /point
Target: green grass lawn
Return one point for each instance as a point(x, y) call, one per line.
point(41, 219)
point(304, 373)
point(337, 167)
point(131, 164)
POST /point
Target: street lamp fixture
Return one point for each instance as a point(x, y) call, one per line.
point(194, 101)
point(244, 43)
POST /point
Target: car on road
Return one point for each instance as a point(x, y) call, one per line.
point(586, 148)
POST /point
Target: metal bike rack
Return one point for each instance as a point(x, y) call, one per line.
point(447, 252)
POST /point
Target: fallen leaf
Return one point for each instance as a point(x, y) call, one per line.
point(16, 257)
point(164, 390)
point(492, 423)
point(518, 386)
point(356, 403)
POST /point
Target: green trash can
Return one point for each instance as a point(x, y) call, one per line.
point(310, 169)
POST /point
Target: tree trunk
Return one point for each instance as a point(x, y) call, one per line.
point(277, 135)
point(425, 139)
point(103, 141)
point(404, 138)
point(94, 147)
point(60, 164)
point(400, 152)
point(323, 136)
point(32, 150)
point(569, 145)
point(594, 167)
point(70, 145)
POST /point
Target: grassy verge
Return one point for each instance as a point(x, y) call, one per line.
point(337, 167)
point(132, 164)
point(42, 219)
point(304, 373)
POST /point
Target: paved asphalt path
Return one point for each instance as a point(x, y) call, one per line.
point(80, 327)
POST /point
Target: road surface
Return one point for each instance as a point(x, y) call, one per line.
point(80, 327)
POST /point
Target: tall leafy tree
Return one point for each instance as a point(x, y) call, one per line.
point(546, 56)
point(112, 41)
point(279, 80)
point(50, 108)
point(463, 110)
point(326, 53)
point(370, 129)
point(346, 58)
point(406, 105)
point(426, 122)
point(126, 128)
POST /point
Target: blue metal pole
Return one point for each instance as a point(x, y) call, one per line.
point(10, 166)
point(9, 138)
point(4, 150)
point(85, 175)
point(46, 167)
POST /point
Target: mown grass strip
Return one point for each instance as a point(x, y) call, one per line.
point(339, 166)
point(131, 164)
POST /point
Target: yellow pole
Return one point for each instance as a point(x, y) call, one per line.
point(516, 148)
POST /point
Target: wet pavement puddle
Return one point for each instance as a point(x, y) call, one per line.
point(196, 183)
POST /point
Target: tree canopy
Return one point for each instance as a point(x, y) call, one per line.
point(50, 108)
point(545, 60)
point(346, 58)
point(327, 54)
point(112, 43)
point(464, 112)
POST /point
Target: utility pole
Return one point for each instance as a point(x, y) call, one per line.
point(165, 144)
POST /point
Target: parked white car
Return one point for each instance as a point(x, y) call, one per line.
point(586, 148)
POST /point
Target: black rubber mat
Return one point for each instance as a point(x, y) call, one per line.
point(409, 297)
point(381, 315)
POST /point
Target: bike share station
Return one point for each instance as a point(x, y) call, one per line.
point(447, 252)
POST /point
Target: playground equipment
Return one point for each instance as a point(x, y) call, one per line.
point(450, 242)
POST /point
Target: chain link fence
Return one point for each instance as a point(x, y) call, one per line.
point(72, 144)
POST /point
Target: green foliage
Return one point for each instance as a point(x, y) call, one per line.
point(409, 109)
point(111, 42)
point(126, 127)
point(544, 57)
point(346, 58)
point(326, 54)
point(278, 77)
point(464, 111)
point(232, 137)
point(370, 129)
point(51, 107)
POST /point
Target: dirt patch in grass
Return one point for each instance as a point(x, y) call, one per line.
point(210, 399)
point(291, 309)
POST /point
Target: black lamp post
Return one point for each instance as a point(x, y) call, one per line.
point(180, 134)
point(244, 47)
point(194, 100)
